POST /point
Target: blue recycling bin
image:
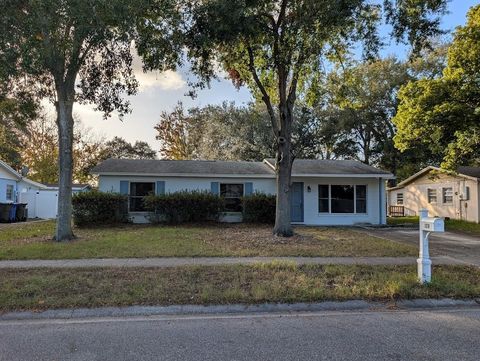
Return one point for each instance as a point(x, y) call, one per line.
point(13, 213)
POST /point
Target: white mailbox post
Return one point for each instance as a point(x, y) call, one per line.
point(427, 225)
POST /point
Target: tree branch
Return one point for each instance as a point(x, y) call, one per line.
point(265, 96)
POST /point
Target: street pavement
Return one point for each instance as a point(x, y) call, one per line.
point(435, 334)
point(459, 246)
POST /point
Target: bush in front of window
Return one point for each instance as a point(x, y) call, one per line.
point(259, 208)
point(184, 207)
point(99, 208)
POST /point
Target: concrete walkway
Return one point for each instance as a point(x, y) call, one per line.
point(216, 261)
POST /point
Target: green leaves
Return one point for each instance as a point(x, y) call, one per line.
point(442, 114)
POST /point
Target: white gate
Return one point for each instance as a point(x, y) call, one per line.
point(40, 204)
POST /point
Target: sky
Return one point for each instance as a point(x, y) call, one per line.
point(160, 92)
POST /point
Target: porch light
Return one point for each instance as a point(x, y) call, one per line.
point(309, 189)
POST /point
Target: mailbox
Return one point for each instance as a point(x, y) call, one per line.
point(432, 224)
point(427, 225)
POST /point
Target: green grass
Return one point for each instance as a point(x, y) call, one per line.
point(450, 224)
point(37, 289)
point(401, 221)
point(463, 226)
point(33, 241)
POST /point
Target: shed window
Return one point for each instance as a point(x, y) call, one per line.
point(9, 194)
point(138, 190)
point(232, 193)
point(400, 199)
point(447, 195)
point(432, 195)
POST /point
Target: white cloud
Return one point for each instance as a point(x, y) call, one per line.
point(167, 80)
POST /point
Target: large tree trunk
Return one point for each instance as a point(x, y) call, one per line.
point(65, 136)
point(283, 225)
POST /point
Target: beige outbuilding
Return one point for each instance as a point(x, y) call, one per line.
point(443, 194)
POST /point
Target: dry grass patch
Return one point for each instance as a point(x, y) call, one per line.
point(33, 241)
point(38, 289)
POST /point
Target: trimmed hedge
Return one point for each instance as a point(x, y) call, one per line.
point(259, 208)
point(184, 206)
point(99, 208)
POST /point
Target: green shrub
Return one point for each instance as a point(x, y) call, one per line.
point(184, 206)
point(99, 208)
point(259, 208)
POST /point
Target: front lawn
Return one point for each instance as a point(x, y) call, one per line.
point(33, 241)
point(450, 224)
point(38, 289)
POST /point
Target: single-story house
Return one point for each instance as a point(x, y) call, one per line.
point(324, 192)
point(443, 194)
point(13, 183)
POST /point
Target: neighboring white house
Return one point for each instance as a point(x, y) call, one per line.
point(442, 194)
point(41, 199)
point(324, 192)
point(12, 183)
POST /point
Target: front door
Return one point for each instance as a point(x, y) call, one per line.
point(296, 202)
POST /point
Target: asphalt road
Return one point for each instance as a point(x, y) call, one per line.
point(368, 335)
point(462, 247)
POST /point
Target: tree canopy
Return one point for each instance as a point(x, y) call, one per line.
point(79, 51)
point(277, 48)
point(443, 114)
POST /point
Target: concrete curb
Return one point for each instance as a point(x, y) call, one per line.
point(132, 311)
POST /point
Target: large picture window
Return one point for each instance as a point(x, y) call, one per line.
point(138, 190)
point(342, 198)
point(232, 193)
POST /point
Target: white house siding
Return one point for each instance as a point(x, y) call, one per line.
point(415, 197)
point(376, 213)
point(375, 206)
point(176, 184)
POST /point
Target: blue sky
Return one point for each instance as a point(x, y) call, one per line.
point(161, 92)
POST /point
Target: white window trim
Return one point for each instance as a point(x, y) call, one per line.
point(236, 183)
point(12, 198)
point(403, 199)
point(330, 213)
point(130, 196)
point(428, 195)
point(443, 195)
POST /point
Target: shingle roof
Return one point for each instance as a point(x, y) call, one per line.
point(149, 166)
point(470, 171)
point(327, 166)
point(204, 167)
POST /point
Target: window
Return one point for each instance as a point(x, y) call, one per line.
point(447, 195)
point(138, 190)
point(9, 195)
point(466, 196)
point(361, 199)
point(232, 194)
point(342, 198)
point(323, 198)
point(399, 199)
point(432, 195)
